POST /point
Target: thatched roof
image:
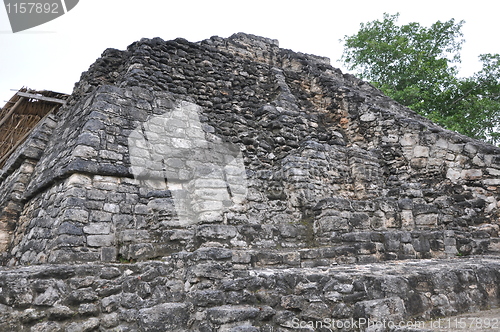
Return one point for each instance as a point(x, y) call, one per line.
point(21, 114)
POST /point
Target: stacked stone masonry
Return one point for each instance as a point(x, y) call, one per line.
point(216, 289)
point(271, 160)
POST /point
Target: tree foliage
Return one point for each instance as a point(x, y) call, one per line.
point(416, 66)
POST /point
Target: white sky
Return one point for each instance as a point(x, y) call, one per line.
point(52, 56)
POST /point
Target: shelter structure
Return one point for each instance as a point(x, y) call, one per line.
point(22, 113)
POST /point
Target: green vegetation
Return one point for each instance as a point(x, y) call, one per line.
point(416, 66)
point(124, 260)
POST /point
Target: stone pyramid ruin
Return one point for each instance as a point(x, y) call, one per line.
point(231, 185)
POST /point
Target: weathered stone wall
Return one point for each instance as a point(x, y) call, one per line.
point(277, 161)
point(323, 154)
point(216, 289)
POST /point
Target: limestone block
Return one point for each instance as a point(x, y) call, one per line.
point(461, 160)
point(378, 221)
point(211, 194)
point(105, 185)
point(392, 242)
point(408, 251)
point(242, 257)
point(493, 171)
point(230, 314)
point(331, 223)
point(426, 220)
point(122, 220)
point(409, 139)
point(82, 295)
point(424, 209)
point(74, 214)
point(366, 248)
point(181, 234)
point(478, 160)
point(79, 180)
point(59, 312)
point(450, 241)
point(451, 250)
point(89, 139)
point(108, 254)
point(204, 206)
point(111, 155)
point(492, 182)
point(360, 220)
point(390, 308)
point(418, 162)
point(421, 244)
point(47, 298)
point(110, 320)
point(291, 259)
point(391, 138)
point(212, 270)
point(46, 327)
point(87, 325)
point(392, 220)
point(435, 162)
point(450, 157)
point(95, 199)
point(88, 309)
point(111, 207)
point(111, 303)
point(210, 217)
point(97, 228)
point(141, 209)
point(421, 151)
point(442, 143)
point(368, 117)
point(4, 240)
point(100, 240)
point(457, 148)
point(69, 228)
point(208, 298)
point(85, 152)
point(453, 174)
point(134, 235)
point(471, 174)
point(98, 216)
point(216, 231)
point(470, 148)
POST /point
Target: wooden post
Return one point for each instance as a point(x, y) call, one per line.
point(12, 110)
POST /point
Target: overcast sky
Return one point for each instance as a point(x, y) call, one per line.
point(52, 56)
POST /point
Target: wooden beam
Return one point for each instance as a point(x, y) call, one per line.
point(12, 110)
point(40, 97)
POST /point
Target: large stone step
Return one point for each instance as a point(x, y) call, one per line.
point(206, 291)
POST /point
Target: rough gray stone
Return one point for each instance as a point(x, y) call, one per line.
point(164, 317)
point(46, 327)
point(90, 324)
point(230, 314)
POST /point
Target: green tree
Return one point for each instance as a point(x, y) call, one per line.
point(416, 66)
